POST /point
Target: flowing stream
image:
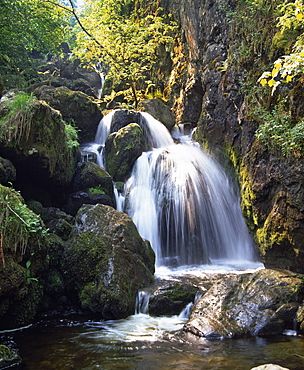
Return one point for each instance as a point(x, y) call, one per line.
point(182, 201)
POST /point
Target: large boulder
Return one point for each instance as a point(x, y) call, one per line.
point(76, 108)
point(35, 140)
point(122, 149)
point(107, 261)
point(262, 303)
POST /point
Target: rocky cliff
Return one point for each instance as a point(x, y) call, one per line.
point(213, 85)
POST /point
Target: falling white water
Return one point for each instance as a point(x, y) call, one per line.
point(182, 201)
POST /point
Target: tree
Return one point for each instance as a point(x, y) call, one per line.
point(288, 66)
point(123, 37)
point(26, 25)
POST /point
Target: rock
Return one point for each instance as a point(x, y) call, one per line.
point(76, 108)
point(91, 184)
point(107, 262)
point(22, 261)
point(122, 117)
point(269, 367)
point(78, 199)
point(160, 111)
point(171, 299)
point(262, 303)
point(39, 148)
point(300, 317)
point(90, 175)
point(7, 172)
point(122, 150)
point(58, 222)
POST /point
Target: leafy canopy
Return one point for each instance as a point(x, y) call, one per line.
point(125, 38)
point(26, 25)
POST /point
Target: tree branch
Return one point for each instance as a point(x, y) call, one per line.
point(73, 11)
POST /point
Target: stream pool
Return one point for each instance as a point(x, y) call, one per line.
point(142, 342)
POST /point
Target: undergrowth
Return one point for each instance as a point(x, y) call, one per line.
point(18, 224)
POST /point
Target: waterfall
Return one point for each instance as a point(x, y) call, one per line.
point(182, 202)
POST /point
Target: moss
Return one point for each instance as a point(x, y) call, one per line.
point(182, 292)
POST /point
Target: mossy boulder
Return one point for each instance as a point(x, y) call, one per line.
point(35, 140)
point(19, 297)
point(76, 108)
point(171, 299)
point(91, 184)
point(261, 303)
point(122, 149)
point(107, 261)
point(90, 175)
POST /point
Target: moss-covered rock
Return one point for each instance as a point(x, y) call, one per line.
point(171, 299)
point(90, 175)
point(107, 261)
point(122, 149)
point(35, 139)
point(24, 243)
point(262, 303)
point(76, 108)
point(91, 184)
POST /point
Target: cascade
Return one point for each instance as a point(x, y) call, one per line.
point(182, 201)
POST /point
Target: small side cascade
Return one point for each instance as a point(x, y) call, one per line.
point(186, 311)
point(142, 302)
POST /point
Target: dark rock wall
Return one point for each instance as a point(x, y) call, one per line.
point(205, 90)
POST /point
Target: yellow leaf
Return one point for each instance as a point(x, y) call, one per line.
point(299, 16)
point(288, 78)
point(263, 81)
point(274, 72)
point(271, 82)
point(277, 65)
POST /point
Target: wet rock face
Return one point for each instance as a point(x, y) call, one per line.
point(262, 303)
point(122, 149)
point(107, 261)
point(206, 91)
